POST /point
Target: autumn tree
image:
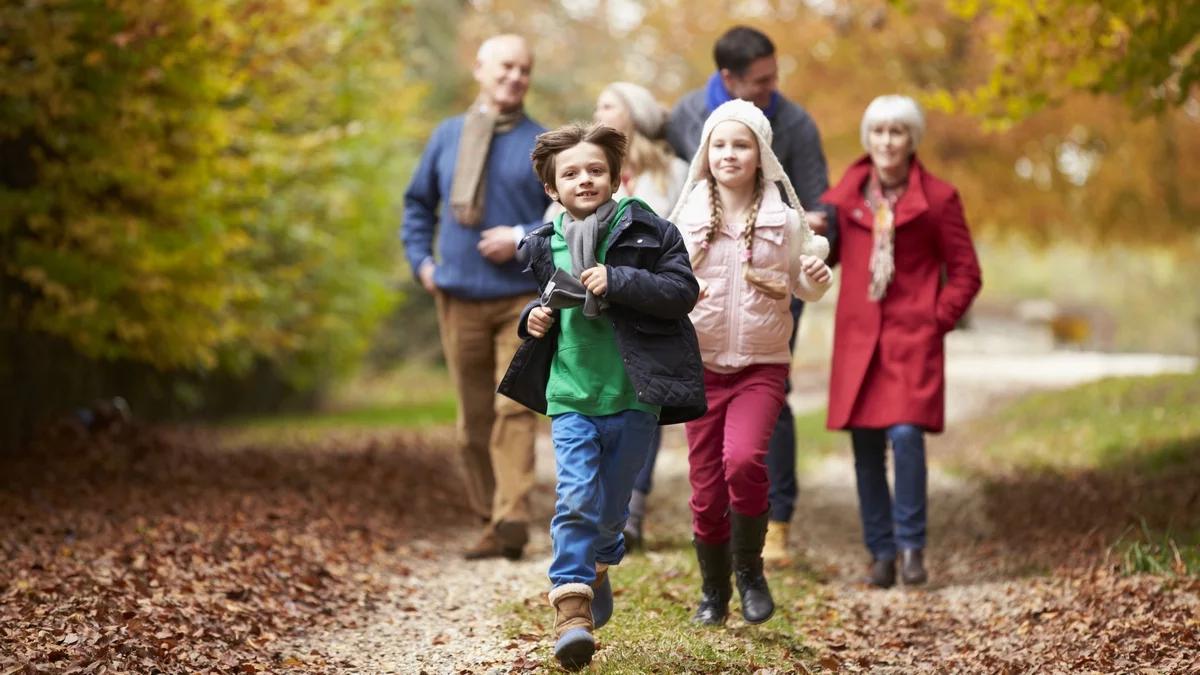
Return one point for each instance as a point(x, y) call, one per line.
point(1145, 52)
point(203, 184)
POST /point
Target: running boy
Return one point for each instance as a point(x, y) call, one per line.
point(609, 354)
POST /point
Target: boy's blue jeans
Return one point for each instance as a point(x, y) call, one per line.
point(596, 461)
point(886, 524)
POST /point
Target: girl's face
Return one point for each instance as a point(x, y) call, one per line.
point(733, 155)
point(890, 145)
point(611, 111)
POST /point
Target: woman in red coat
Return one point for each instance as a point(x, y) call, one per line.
point(909, 272)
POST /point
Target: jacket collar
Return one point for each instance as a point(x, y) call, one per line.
point(847, 195)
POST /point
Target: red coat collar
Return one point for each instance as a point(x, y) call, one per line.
point(847, 195)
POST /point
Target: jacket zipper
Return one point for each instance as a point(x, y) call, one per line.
point(735, 308)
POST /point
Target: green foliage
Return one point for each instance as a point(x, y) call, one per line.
point(1145, 52)
point(200, 184)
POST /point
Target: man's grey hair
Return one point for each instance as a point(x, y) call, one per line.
point(894, 108)
point(488, 44)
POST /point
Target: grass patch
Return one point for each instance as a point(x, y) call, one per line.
point(1100, 425)
point(813, 439)
point(411, 397)
point(420, 414)
point(651, 629)
point(1109, 469)
point(1160, 553)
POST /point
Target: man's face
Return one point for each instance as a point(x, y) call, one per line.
point(582, 181)
point(502, 71)
point(756, 84)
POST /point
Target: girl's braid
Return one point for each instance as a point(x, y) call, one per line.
point(716, 218)
point(752, 216)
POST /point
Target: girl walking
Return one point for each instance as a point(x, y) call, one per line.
point(750, 253)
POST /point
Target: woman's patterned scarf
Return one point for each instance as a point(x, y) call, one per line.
point(882, 266)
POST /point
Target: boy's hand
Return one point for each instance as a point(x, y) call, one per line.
point(595, 279)
point(703, 288)
point(539, 322)
point(816, 269)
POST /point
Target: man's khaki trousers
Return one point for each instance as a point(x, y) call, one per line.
point(495, 433)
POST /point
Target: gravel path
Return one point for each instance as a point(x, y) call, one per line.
point(441, 617)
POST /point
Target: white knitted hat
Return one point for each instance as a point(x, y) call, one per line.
point(649, 117)
point(749, 114)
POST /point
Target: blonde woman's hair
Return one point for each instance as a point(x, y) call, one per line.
point(649, 158)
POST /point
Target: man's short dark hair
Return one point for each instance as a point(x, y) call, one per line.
point(550, 143)
point(739, 47)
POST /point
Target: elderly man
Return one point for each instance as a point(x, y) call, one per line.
point(475, 194)
point(747, 69)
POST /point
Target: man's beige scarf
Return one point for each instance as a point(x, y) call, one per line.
point(469, 182)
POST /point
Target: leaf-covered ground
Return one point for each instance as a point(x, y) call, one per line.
point(1063, 538)
point(170, 552)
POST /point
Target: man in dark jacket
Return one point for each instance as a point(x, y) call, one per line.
point(747, 69)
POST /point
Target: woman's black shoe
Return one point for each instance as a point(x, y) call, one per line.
point(912, 567)
point(882, 573)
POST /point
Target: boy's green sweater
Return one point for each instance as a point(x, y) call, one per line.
point(587, 375)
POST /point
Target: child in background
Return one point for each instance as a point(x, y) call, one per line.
point(608, 354)
point(652, 173)
point(751, 252)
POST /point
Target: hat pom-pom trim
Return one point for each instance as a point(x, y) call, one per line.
point(818, 246)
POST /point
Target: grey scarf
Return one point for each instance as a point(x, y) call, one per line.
point(582, 238)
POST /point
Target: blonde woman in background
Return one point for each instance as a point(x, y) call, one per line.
point(654, 174)
point(651, 171)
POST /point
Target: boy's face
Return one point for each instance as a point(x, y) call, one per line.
point(581, 180)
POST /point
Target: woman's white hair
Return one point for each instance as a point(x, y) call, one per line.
point(894, 108)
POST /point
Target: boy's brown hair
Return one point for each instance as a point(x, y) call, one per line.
point(550, 143)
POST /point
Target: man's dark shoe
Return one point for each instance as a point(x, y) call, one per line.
point(506, 540)
point(882, 573)
point(715, 587)
point(912, 567)
point(749, 534)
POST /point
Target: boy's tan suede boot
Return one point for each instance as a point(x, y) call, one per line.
point(573, 626)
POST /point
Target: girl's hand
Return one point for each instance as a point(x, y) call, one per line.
point(595, 279)
point(539, 322)
point(703, 288)
point(816, 269)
